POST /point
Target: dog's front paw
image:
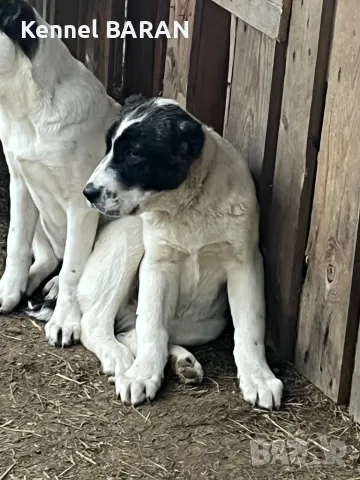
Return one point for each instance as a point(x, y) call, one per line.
point(136, 386)
point(12, 288)
point(134, 391)
point(64, 327)
point(261, 388)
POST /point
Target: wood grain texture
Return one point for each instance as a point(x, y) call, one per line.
point(209, 64)
point(116, 53)
point(267, 16)
point(233, 32)
point(103, 56)
point(177, 63)
point(95, 51)
point(160, 48)
point(250, 95)
point(329, 311)
point(297, 150)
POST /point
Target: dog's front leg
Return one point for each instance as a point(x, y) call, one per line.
point(158, 295)
point(64, 326)
point(246, 296)
point(23, 219)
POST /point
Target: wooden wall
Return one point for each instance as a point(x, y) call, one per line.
point(281, 83)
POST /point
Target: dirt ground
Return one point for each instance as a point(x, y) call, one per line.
point(59, 419)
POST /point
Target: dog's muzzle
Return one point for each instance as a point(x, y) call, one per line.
point(92, 193)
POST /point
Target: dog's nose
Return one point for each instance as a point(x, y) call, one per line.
point(91, 192)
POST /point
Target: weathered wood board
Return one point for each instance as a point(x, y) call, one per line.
point(177, 63)
point(267, 16)
point(297, 150)
point(209, 64)
point(142, 71)
point(329, 312)
point(250, 94)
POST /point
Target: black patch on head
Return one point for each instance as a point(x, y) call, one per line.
point(156, 153)
point(12, 14)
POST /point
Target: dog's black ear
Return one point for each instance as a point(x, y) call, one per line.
point(131, 103)
point(134, 100)
point(12, 15)
point(190, 139)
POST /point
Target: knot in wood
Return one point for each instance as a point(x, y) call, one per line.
point(330, 272)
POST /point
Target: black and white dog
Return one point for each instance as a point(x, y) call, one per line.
point(54, 115)
point(187, 236)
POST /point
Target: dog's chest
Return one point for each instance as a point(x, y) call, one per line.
point(202, 274)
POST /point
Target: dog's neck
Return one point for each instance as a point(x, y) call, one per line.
point(186, 196)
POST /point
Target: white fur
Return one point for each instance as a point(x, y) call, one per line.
point(182, 251)
point(53, 117)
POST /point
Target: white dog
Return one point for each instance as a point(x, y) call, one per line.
point(188, 234)
point(53, 118)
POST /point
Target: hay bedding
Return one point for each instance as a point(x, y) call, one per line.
point(59, 419)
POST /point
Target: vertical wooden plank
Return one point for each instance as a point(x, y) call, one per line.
point(116, 52)
point(355, 385)
point(178, 52)
point(209, 64)
point(329, 311)
point(103, 56)
point(160, 47)
point(38, 5)
point(66, 12)
point(250, 95)
point(140, 52)
point(97, 49)
point(233, 32)
point(49, 11)
point(297, 150)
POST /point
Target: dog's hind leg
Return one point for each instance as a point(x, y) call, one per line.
point(45, 260)
point(105, 289)
point(181, 362)
point(51, 289)
point(185, 365)
point(23, 218)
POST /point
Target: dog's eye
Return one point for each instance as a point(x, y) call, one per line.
point(135, 150)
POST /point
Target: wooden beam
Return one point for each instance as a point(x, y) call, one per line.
point(209, 64)
point(297, 150)
point(178, 52)
point(329, 311)
point(268, 16)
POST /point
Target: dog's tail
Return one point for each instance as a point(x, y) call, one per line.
point(41, 310)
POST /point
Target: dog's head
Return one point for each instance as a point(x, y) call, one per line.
point(150, 150)
point(12, 15)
